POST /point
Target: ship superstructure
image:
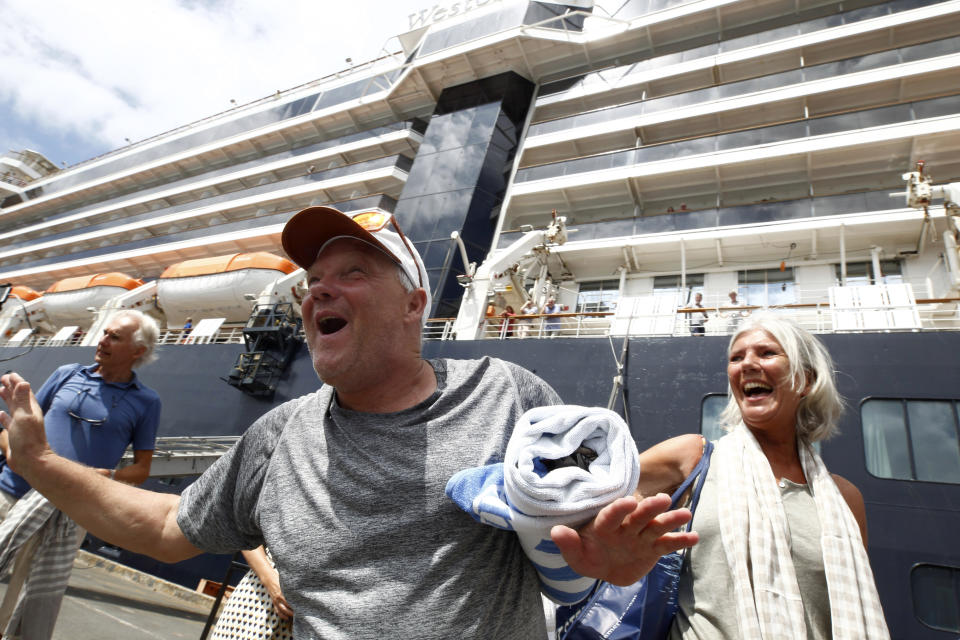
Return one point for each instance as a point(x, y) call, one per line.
point(620, 156)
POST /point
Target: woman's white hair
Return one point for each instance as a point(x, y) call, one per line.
point(145, 336)
point(820, 410)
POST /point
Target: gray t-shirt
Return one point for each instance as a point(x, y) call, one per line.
point(352, 507)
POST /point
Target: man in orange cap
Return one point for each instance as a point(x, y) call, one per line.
point(345, 485)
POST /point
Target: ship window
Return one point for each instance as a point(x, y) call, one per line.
point(912, 439)
point(860, 274)
point(710, 410)
point(936, 596)
point(601, 295)
point(767, 287)
point(666, 285)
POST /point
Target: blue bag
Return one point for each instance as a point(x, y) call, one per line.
point(645, 609)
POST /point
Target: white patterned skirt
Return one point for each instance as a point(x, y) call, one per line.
point(249, 614)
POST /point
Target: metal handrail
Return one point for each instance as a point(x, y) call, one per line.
point(935, 314)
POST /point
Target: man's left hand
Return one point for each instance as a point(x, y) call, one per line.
point(625, 540)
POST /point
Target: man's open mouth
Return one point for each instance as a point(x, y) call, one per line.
point(330, 325)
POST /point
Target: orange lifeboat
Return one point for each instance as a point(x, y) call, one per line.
point(217, 287)
point(26, 294)
point(113, 279)
point(67, 301)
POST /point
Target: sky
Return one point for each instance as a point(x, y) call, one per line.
point(77, 79)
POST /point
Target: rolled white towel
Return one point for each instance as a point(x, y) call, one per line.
point(524, 495)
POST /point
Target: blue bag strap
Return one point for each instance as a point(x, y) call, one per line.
point(698, 475)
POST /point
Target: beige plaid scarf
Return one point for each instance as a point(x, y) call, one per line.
point(755, 537)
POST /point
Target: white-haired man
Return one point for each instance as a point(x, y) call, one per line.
point(345, 485)
point(91, 414)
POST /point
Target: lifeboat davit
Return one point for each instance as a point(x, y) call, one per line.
point(217, 287)
point(67, 301)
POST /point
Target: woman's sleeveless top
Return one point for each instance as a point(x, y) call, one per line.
point(708, 610)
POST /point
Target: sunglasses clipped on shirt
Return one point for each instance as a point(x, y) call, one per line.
point(74, 408)
point(374, 221)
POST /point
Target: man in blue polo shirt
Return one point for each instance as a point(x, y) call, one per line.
point(91, 414)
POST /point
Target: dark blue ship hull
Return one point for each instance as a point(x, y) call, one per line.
point(665, 383)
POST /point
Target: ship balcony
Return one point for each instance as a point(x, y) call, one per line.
point(791, 47)
point(150, 255)
point(878, 308)
point(850, 152)
point(927, 70)
point(317, 160)
point(333, 178)
point(212, 215)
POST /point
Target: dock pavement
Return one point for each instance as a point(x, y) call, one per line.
point(107, 600)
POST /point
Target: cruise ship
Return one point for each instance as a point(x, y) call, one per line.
point(619, 156)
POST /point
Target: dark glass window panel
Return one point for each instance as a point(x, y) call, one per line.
point(598, 296)
point(861, 273)
point(710, 410)
point(931, 49)
point(767, 287)
point(849, 203)
point(936, 596)
point(338, 95)
point(885, 439)
point(608, 229)
point(473, 29)
point(866, 13)
point(703, 219)
point(937, 107)
point(933, 434)
point(673, 281)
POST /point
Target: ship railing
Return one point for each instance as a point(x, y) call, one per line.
point(227, 334)
point(439, 329)
point(555, 325)
point(922, 314)
point(926, 314)
point(175, 457)
point(566, 325)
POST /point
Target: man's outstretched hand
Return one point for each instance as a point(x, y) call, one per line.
point(625, 540)
point(24, 422)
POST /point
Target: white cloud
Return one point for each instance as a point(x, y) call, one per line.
point(105, 70)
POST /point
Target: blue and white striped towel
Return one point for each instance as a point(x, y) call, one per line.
point(521, 495)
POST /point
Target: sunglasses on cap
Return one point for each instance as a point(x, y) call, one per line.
point(374, 221)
